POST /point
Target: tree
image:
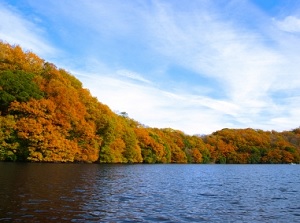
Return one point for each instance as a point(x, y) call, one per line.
point(8, 144)
point(13, 58)
point(17, 86)
point(152, 149)
point(37, 129)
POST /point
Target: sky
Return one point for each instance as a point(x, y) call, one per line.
point(197, 65)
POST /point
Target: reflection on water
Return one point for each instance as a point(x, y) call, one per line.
point(32, 192)
point(37, 191)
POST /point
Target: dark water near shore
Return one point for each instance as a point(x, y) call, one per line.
point(31, 192)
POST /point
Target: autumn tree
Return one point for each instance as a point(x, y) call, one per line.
point(47, 116)
point(37, 128)
point(13, 58)
point(8, 144)
point(152, 148)
point(196, 150)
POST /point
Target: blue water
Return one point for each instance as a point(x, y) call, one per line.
point(31, 192)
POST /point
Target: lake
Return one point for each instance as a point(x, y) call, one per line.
point(40, 192)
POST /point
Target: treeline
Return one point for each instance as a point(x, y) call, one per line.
point(47, 116)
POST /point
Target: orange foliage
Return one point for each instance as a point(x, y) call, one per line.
point(37, 128)
point(13, 58)
point(67, 124)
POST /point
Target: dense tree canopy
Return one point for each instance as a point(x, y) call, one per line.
point(17, 86)
point(47, 116)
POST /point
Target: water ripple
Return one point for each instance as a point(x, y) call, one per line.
point(149, 193)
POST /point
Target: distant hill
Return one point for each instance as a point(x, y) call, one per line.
point(47, 116)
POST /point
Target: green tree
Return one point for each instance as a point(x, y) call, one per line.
point(17, 86)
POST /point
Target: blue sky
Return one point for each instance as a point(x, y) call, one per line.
point(197, 66)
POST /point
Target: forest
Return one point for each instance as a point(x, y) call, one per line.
point(47, 116)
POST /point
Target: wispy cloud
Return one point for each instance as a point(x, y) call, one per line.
point(198, 67)
point(132, 75)
point(17, 30)
point(240, 58)
point(289, 24)
point(155, 107)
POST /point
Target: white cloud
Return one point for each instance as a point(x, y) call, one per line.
point(289, 24)
point(248, 67)
point(14, 29)
point(156, 107)
point(251, 65)
point(211, 45)
point(214, 48)
point(132, 75)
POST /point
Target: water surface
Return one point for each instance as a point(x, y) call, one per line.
point(32, 192)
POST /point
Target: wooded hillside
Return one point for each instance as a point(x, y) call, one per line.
point(47, 116)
